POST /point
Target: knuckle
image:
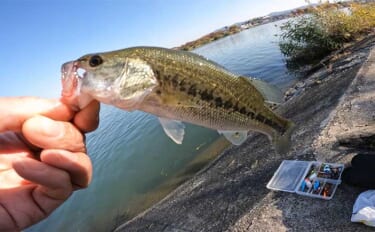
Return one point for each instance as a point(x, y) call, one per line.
point(73, 139)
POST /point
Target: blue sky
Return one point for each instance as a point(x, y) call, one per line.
point(37, 36)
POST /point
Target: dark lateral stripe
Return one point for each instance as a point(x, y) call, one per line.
point(208, 96)
point(218, 102)
point(175, 81)
point(192, 90)
point(270, 123)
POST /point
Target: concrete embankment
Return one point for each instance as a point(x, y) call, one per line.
point(333, 109)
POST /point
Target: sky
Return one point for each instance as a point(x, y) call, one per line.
point(37, 36)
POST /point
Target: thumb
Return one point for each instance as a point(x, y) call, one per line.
point(15, 110)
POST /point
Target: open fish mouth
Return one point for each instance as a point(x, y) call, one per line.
point(71, 76)
point(71, 80)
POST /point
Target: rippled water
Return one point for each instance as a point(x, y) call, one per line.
point(135, 163)
point(254, 52)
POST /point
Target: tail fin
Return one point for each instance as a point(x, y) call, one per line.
point(282, 143)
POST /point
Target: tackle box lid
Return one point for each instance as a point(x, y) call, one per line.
point(288, 175)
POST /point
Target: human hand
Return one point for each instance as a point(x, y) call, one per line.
point(42, 157)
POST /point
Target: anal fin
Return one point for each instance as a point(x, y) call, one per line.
point(235, 137)
point(174, 129)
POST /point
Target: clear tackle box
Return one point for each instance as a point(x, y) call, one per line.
point(308, 178)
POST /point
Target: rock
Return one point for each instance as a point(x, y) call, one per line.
point(300, 84)
point(352, 63)
point(310, 83)
point(360, 138)
point(291, 92)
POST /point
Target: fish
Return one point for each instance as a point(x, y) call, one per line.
point(177, 87)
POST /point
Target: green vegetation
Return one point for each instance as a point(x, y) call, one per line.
point(325, 28)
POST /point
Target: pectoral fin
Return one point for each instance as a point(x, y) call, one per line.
point(174, 129)
point(235, 137)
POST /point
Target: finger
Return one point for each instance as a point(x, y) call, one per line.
point(49, 134)
point(15, 110)
point(55, 183)
point(78, 165)
point(50, 188)
point(88, 118)
point(8, 177)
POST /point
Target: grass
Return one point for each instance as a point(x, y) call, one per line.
point(326, 28)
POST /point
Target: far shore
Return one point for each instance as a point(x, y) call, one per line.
point(241, 26)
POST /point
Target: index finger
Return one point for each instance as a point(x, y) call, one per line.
point(87, 119)
point(15, 110)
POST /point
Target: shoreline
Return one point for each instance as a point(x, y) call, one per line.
point(230, 193)
point(253, 22)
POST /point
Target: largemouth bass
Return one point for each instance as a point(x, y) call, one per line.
point(178, 87)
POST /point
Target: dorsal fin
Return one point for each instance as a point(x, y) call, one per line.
point(270, 93)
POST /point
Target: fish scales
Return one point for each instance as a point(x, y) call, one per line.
point(180, 86)
point(223, 97)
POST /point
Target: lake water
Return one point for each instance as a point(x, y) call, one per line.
point(136, 164)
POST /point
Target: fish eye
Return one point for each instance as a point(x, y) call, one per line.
point(95, 60)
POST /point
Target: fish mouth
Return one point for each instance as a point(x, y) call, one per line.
point(71, 78)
